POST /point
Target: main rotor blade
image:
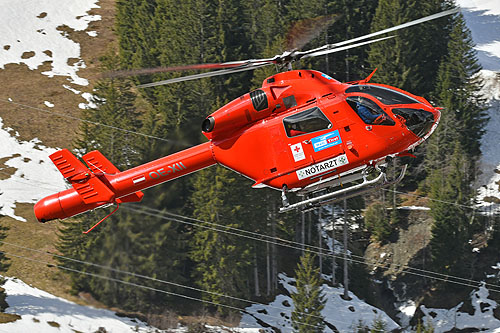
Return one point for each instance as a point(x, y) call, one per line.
point(181, 68)
point(381, 32)
point(302, 32)
point(202, 75)
point(338, 49)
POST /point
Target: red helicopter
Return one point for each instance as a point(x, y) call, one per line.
point(302, 131)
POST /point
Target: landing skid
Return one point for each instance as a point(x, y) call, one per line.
point(366, 186)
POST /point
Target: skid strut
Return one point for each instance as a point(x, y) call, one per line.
point(366, 186)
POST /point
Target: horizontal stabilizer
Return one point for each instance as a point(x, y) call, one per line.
point(90, 188)
point(101, 165)
point(134, 197)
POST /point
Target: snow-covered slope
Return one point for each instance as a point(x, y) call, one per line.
point(43, 312)
point(339, 313)
point(20, 180)
point(483, 19)
point(31, 33)
point(482, 318)
point(489, 164)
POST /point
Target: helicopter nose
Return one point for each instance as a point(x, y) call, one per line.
point(421, 122)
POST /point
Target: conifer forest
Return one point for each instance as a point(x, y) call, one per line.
point(210, 231)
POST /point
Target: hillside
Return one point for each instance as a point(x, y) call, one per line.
point(49, 65)
point(47, 68)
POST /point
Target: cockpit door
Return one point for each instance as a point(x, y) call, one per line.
point(312, 136)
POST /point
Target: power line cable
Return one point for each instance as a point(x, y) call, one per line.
point(431, 199)
point(310, 247)
point(405, 268)
point(88, 263)
point(158, 290)
point(9, 100)
point(260, 235)
point(444, 278)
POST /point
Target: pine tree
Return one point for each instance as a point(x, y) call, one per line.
point(223, 261)
point(114, 106)
point(355, 20)
point(458, 87)
point(143, 245)
point(377, 221)
point(451, 229)
point(458, 91)
point(415, 51)
point(72, 243)
point(387, 56)
point(308, 301)
point(4, 265)
point(136, 35)
point(379, 325)
point(452, 153)
point(424, 328)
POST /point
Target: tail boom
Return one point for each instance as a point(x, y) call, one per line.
point(118, 187)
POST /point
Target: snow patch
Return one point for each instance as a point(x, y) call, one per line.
point(90, 102)
point(407, 311)
point(26, 174)
point(413, 208)
point(489, 7)
point(489, 163)
point(48, 104)
point(343, 314)
point(74, 91)
point(444, 320)
point(33, 32)
point(38, 308)
point(483, 19)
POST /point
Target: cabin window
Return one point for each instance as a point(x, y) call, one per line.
point(384, 95)
point(369, 111)
point(308, 121)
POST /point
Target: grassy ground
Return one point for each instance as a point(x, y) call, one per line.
point(34, 268)
point(8, 318)
point(32, 88)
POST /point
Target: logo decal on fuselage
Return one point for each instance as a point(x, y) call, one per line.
point(319, 168)
point(297, 152)
point(326, 140)
point(259, 99)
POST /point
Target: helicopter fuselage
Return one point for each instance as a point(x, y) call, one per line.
point(300, 129)
point(303, 126)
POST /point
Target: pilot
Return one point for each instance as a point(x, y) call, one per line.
point(367, 116)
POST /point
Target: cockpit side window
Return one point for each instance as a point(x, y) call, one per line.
point(384, 95)
point(369, 111)
point(308, 121)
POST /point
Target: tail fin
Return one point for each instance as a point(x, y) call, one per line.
point(90, 188)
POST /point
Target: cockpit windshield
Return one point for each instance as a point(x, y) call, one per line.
point(418, 121)
point(384, 95)
point(369, 111)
